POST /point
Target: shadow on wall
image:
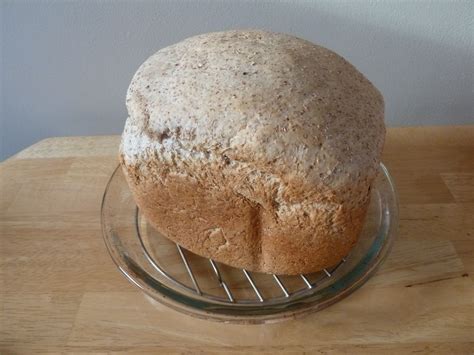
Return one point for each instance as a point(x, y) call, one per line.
point(67, 65)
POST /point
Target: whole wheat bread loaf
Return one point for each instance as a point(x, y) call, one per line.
point(253, 148)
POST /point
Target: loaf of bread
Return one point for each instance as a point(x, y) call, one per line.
point(255, 149)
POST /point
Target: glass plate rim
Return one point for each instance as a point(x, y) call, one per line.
point(311, 302)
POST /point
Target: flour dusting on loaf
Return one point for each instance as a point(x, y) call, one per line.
point(253, 148)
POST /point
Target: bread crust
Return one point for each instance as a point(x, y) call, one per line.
point(260, 162)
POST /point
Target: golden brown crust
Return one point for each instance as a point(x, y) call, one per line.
point(227, 227)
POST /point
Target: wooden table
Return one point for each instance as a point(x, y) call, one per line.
point(60, 291)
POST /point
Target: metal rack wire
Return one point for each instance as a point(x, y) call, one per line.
point(230, 298)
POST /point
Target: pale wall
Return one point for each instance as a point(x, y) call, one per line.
point(65, 66)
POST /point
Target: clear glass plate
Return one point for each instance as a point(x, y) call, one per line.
point(207, 289)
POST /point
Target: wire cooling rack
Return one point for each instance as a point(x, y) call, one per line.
point(306, 284)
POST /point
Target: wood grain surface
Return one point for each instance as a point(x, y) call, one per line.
point(60, 291)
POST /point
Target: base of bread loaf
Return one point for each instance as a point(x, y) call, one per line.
point(227, 227)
